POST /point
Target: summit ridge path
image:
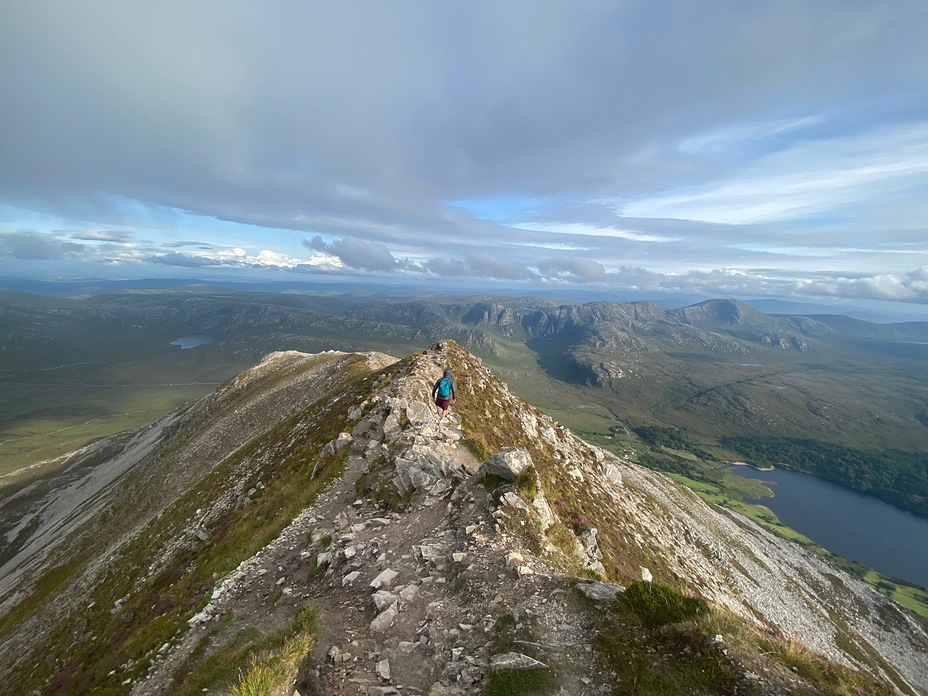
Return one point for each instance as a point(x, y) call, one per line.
point(407, 602)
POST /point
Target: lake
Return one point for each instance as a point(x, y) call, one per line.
point(191, 341)
point(849, 524)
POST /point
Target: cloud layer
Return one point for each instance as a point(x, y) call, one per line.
point(727, 148)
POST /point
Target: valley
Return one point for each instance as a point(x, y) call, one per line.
point(682, 391)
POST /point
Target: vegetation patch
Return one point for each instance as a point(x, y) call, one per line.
point(658, 643)
point(513, 636)
point(154, 610)
point(657, 605)
point(43, 589)
point(669, 660)
point(270, 660)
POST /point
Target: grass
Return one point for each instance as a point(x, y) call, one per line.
point(657, 605)
point(519, 682)
point(273, 667)
point(252, 663)
point(42, 417)
point(516, 682)
point(42, 591)
point(161, 604)
point(656, 641)
point(649, 641)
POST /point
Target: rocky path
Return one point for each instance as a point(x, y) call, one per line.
point(414, 602)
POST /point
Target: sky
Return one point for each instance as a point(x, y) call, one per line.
point(773, 148)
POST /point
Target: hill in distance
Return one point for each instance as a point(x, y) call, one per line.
point(312, 527)
point(805, 391)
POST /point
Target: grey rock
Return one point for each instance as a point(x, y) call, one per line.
point(513, 500)
point(543, 511)
point(384, 620)
point(599, 591)
point(383, 669)
point(383, 599)
point(384, 579)
point(507, 464)
point(611, 472)
point(514, 661)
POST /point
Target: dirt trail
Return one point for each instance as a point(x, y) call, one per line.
point(407, 602)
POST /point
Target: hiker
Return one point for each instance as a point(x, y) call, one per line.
point(444, 394)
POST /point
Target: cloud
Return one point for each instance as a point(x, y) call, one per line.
point(806, 178)
point(35, 246)
point(356, 253)
point(908, 287)
point(184, 260)
point(448, 268)
point(117, 236)
point(185, 243)
point(584, 270)
point(670, 147)
point(485, 265)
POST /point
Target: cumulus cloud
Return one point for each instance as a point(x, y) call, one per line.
point(448, 268)
point(907, 287)
point(176, 258)
point(585, 270)
point(489, 266)
point(356, 253)
point(36, 246)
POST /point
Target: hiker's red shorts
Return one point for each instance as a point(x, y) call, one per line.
point(443, 403)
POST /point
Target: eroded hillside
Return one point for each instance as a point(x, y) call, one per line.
point(313, 517)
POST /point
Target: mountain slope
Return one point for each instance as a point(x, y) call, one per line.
point(309, 478)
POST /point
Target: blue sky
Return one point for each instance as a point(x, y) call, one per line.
point(763, 149)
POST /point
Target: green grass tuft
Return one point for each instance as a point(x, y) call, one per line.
point(658, 605)
point(519, 683)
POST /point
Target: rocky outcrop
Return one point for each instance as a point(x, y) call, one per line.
point(431, 572)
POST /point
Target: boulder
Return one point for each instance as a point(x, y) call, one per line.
point(383, 599)
point(507, 464)
point(384, 579)
point(599, 591)
point(384, 620)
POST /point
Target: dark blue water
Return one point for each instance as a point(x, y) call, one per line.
point(191, 341)
point(849, 524)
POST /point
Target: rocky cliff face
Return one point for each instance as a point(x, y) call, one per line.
point(441, 557)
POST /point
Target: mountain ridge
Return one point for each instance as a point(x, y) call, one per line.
point(310, 469)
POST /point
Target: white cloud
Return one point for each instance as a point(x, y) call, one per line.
point(732, 139)
point(806, 179)
point(669, 146)
point(593, 231)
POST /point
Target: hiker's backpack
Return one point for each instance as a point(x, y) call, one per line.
point(444, 388)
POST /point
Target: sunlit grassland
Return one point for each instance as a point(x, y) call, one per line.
point(45, 414)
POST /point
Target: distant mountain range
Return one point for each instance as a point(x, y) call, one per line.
point(719, 370)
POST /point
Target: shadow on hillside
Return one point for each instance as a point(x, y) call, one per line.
point(553, 357)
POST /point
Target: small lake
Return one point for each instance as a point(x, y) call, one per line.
point(849, 524)
point(191, 341)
